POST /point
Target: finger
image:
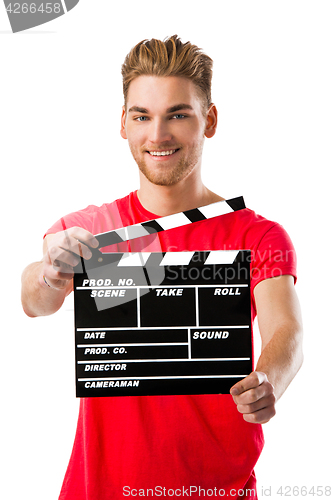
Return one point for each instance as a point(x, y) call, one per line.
point(253, 395)
point(68, 250)
point(57, 256)
point(83, 236)
point(261, 416)
point(251, 381)
point(67, 257)
point(76, 247)
point(59, 272)
point(75, 241)
point(75, 252)
point(257, 405)
point(65, 275)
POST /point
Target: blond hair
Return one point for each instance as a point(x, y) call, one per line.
point(170, 57)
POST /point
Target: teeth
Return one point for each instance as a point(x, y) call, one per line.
point(162, 153)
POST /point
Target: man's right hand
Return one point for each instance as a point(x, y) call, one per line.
point(62, 252)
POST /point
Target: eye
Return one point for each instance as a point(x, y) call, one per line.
point(178, 116)
point(141, 118)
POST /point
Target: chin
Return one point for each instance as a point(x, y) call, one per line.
point(170, 178)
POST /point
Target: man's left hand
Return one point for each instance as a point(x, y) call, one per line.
point(255, 398)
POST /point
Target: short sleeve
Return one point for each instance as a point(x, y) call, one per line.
point(274, 256)
point(94, 219)
point(81, 218)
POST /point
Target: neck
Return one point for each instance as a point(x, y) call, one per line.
point(166, 200)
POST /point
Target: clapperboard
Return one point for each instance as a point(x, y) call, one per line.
point(163, 323)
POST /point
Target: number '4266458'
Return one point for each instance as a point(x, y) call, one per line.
point(32, 8)
point(315, 491)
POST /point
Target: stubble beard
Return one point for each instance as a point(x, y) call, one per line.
point(169, 176)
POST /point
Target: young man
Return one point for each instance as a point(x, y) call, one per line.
point(186, 444)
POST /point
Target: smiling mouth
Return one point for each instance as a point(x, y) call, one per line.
point(168, 152)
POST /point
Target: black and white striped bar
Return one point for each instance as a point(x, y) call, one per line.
point(148, 259)
point(170, 222)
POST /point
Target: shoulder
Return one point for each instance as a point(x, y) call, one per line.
point(273, 253)
point(253, 231)
point(252, 223)
point(271, 247)
point(265, 232)
point(96, 219)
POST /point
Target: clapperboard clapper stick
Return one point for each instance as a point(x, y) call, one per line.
point(163, 323)
point(170, 221)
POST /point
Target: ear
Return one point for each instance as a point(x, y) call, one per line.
point(211, 121)
point(123, 122)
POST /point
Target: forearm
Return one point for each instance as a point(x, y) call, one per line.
point(37, 298)
point(280, 325)
point(282, 357)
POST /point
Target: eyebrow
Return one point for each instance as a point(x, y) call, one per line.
point(138, 109)
point(179, 107)
point(173, 109)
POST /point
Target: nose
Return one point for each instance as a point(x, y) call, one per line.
point(159, 131)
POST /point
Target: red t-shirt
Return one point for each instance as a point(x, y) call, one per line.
point(172, 445)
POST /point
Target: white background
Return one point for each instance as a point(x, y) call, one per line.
point(60, 104)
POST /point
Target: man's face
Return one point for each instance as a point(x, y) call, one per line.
point(165, 127)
